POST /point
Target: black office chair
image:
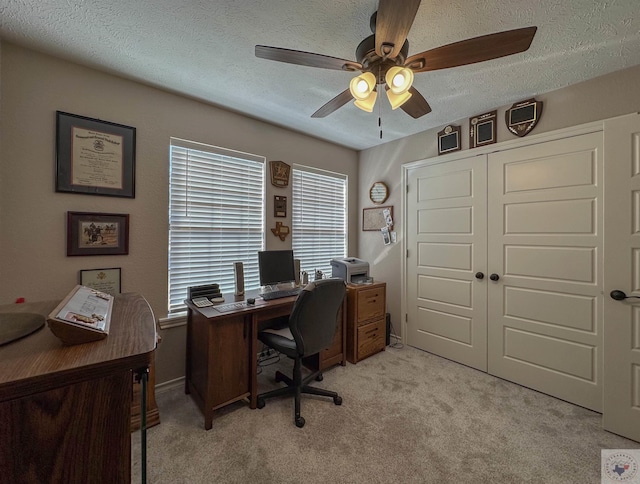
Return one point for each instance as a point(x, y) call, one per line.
point(312, 327)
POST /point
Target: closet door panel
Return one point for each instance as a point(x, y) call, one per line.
point(446, 240)
point(622, 272)
point(545, 240)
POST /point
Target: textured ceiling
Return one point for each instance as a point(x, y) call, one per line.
point(205, 49)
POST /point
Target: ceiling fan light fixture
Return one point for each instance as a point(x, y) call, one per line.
point(367, 103)
point(362, 86)
point(399, 79)
point(397, 100)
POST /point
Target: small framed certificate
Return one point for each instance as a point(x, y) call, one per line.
point(103, 280)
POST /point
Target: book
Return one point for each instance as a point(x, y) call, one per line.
point(83, 316)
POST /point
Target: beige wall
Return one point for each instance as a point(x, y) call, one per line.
point(604, 97)
point(33, 261)
point(33, 86)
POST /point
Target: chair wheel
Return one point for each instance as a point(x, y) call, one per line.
point(320, 377)
point(260, 402)
point(337, 400)
point(300, 422)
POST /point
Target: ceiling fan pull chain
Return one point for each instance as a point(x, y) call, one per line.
point(379, 114)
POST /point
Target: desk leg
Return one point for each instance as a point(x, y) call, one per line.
point(187, 366)
point(142, 375)
point(253, 362)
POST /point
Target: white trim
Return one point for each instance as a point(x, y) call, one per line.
point(169, 385)
point(174, 321)
point(320, 171)
point(195, 145)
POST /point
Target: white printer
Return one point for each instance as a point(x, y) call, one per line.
point(352, 270)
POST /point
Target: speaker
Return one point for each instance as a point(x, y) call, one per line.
point(238, 271)
point(296, 269)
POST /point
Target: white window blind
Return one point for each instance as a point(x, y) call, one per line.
point(216, 217)
point(319, 218)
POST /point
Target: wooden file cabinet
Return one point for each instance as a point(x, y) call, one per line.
point(366, 325)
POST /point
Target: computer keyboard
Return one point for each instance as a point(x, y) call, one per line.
point(268, 296)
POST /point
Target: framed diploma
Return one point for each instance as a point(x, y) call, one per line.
point(103, 280)
point(94, 157)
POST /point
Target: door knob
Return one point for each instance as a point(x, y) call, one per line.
point(479, 275)
point(494, 277)
point(619, 295)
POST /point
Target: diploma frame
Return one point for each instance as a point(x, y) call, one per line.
point(102, 162)
point(97, 233)
point(103, 280)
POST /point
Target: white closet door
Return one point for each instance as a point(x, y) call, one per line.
point(622, 272)
point(545, 237)
point(446, 240)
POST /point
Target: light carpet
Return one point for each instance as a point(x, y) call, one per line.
point(407, 417)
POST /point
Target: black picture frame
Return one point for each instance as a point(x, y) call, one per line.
point(279, 206)
point(449, 139)
point(94, 157)
point(97, 233)
point(482, 129)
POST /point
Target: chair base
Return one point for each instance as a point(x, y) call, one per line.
point(298, 389)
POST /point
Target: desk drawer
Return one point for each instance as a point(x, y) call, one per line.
point(371, 338)
point(371, 304)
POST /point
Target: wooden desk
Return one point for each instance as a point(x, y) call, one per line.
point(65, 410)
point(222, 351)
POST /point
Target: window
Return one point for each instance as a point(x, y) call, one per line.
point(216, 217)
point(319, 220)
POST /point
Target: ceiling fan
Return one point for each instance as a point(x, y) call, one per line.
point(384, 63)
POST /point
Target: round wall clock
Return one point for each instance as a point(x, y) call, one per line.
point(378, 192)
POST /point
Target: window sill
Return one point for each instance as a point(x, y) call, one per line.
point(173, 321)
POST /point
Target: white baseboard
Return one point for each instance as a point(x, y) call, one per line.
point(170, 385)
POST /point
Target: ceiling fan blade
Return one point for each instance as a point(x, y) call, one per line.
point(474, 50)
point(417, 105)
point(305, 58)
point(393, 22)
point(337, 102)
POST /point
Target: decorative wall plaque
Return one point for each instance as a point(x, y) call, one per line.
point(281, 231)
point(522, 117)
point(279, 173)
point(449, 139)
point(279, 206)
point(482, 129)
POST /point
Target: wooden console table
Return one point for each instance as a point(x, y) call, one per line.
point(65, 410)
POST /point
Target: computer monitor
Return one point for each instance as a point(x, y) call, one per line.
point(276, 266)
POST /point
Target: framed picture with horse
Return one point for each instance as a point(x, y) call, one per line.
point(97, 233)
